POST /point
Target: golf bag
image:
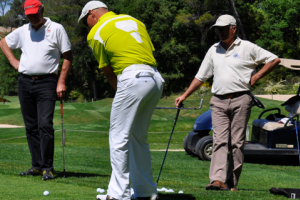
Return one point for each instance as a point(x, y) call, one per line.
point(291, 193)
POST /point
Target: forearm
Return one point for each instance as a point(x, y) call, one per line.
point(9, 55)
point(61, 84)
point(195, 85)
point(112, 81)
point(64, 72)
point(110, 76)
point(267, 68)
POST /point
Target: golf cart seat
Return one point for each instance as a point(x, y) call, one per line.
point(270, 125)
point(269, 132)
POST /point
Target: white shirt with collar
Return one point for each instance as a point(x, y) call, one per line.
point(232, 69)
point(41, 50)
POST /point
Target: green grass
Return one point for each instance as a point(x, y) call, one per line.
point(87, 156)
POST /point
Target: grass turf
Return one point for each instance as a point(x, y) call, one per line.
point(87, 156)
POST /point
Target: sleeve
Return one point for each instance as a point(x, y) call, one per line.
point(13, 39)
point(262, 56)
point(64, 43)
point(99, 53)
point(206, 69)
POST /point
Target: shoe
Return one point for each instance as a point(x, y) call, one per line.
point(153, 197)
point(216, 185)
point(104, 197)
point(234, 189)
point(32, 172)
point(47, 175)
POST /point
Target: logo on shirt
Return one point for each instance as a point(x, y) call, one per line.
point(235, 55)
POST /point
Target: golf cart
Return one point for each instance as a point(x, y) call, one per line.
point(268, 138)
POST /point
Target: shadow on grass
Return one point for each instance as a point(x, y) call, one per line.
point(59, 174)
point(175, 197)
point(273, 160)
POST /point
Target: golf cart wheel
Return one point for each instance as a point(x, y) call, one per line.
point(204, 148)
point(185, 145)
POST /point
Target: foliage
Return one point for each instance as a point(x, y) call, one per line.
point(274, 88)
point(8, 76)
point(181, 34)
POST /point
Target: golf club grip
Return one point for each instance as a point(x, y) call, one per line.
point(61, 108)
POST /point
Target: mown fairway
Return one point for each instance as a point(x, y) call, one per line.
point(87, 156)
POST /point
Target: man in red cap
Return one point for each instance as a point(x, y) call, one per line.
point(42, 42)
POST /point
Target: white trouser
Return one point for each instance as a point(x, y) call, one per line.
point(139, 90)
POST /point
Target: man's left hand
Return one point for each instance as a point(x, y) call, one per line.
point(61, 90)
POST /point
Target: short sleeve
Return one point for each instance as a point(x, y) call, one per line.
point(99, 53)
point(63, 40)
point(13, 39)
point(206, 68)
point(262, 56)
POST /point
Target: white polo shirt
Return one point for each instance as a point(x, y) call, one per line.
point(232, 69)
point(41, 50)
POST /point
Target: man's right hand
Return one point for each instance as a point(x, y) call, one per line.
point(179, 100)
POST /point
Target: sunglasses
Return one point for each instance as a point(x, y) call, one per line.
point(84, 20)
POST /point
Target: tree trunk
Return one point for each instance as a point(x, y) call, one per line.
point(239, 22)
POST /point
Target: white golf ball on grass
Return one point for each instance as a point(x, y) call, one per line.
point(46, 193)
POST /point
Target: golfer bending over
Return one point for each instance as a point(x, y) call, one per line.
point(232, 62)
point(42, 42)
point(123, 48)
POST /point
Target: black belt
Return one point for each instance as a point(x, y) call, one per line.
point(232, 95)
point(38, 77)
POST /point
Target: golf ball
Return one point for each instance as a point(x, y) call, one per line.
point(46, 193)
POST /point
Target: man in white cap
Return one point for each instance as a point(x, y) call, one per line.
point(232, 62)
point(42, 42)
point(124, 51)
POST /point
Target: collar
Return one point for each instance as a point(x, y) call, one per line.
point(47, 23)
point(110, 13)
point(236, 42)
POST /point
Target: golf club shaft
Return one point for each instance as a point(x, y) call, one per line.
point(177, 114)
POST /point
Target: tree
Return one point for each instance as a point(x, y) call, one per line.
point(3, 4)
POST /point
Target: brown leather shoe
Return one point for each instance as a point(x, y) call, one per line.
point(216, 185)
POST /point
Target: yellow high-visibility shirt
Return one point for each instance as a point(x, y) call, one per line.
point(120, 41)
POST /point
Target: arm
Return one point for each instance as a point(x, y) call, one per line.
point(111, 76)
point(61, 84)
point(9, 55)
point(195, 85)
point(267, 68)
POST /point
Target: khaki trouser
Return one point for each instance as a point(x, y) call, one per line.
point(229, 121)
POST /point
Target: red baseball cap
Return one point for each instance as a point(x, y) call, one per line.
point(31, 6)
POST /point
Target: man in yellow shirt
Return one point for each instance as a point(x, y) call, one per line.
point(124, 51)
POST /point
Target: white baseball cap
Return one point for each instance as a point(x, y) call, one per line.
point(225, 20)
point(91, 5)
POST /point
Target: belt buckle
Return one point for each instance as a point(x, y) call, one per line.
point(229, 96)
point(35, 77)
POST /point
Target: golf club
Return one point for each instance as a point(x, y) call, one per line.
point(63, 135)
point(182, 108)
point(177, 114)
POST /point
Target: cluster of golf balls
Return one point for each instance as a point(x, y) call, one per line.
point(168, 190)
point(100, 190)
